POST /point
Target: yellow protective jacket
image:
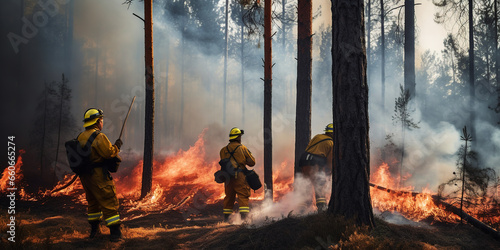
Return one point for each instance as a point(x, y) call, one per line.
point(101, 147)
point(323, 149)
point(242, 155)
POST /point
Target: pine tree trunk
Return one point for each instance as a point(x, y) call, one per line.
point(472, 88)
point(167, 69)
point(409, 47)
point(226, 30)
point(368, 42)
point(242, 70)
point(44, 125)
point(63, 85)
point(382, 25)
point(68, 44)
point(147, 171)
point(351, 153)
point(497, 54)
point(268, 84)
point(304, 81)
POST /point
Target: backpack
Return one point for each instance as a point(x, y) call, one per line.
point(226, 165)
point(78, 157)
point(308, 159)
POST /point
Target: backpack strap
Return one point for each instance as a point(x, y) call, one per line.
point(91, 140)
point(327, 139)
point(232, 153)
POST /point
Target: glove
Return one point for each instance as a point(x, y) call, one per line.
point(118, 143)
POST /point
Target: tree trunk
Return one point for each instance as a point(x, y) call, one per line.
point(409, 48)
point(96, 80)
point(351, 152)
point(44, 125)
point(183, 68)
point(167, 68)
point(147, 171)
point(382, 16)
point(268, 84)
point(368, 37)
point(63, 86)
point(68, 45)
point(304, 81)
point(472, 89)
point(242, 70)
point(497, 54)
point(283, 25)
point(224, 104)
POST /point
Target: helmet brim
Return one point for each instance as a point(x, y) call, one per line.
point(90, 122)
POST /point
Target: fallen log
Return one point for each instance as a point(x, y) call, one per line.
point(451, 208)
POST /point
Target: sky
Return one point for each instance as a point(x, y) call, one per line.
point(430, 35)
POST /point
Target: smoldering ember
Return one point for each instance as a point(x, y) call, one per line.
point(252, 124)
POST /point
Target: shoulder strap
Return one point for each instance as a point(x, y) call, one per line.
point(231, 153)
point(327, 139)
point(91, 139)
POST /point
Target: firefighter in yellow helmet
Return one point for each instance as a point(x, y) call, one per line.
point(98, 184)
point(237, 185)
point(316, 164)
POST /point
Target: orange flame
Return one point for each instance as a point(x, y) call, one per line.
point(176, 179)
point(414, 206)
point(12, 175)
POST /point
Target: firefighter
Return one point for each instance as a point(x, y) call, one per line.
point(99, 186)
point(237, 184)
point(316, 164)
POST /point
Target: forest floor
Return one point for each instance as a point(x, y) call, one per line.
point(59, 223)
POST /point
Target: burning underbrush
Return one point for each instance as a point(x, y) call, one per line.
point(184, 182)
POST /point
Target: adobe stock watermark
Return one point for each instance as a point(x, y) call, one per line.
point(11, 188)
point(29, 29)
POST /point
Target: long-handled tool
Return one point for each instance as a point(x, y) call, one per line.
point(121, 132)
point(126, 117)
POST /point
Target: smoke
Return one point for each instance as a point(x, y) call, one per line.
point(107, 70)
point(297, 202)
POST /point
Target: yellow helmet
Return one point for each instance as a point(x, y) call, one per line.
point(235, 132)
point(329, 128)
point(91, 116)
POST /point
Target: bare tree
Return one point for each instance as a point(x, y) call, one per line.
point(351, 151)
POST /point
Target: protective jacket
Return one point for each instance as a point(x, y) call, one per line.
point(321, 145)
point(99, 187)
point(237, 185)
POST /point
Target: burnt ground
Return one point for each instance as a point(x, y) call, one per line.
point(59, 223)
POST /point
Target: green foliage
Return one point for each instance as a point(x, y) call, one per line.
point(402, 113)
point(477, 179)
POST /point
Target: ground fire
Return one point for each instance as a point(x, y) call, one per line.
point(178, 183)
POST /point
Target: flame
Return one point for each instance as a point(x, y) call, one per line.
point(415, 206)
point(283, 179)
point(5, 181)
point(176, 179)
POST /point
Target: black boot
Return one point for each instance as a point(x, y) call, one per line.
point(94, 228)
point(115, 233)
point(243, 216)
point(321, 207)
point(226, 217)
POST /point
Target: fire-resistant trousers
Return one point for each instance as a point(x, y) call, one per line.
point(317, 176)
point(100, 193)
point(237, 186)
